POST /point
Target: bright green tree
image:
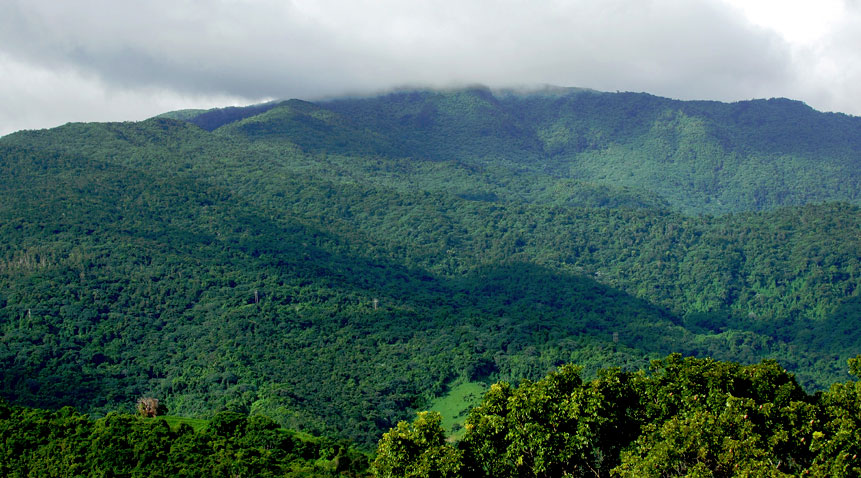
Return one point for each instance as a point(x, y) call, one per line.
point(417, 450)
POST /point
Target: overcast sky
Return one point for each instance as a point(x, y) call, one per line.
point(111, 60)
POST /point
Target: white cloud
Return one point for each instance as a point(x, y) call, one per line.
point(797, 21)
point(118, 54)
point(37, 97)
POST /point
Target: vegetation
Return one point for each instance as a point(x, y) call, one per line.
point(687, 417)
point(454, 406)
point(338, 266)
point(64, 443)
point(701, 157)
point(150, 407)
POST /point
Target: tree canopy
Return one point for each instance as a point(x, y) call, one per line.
point(685, 417)
point(338, 265)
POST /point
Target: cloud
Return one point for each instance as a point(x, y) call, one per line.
point(312, 48)
point(35, 97)
point(829, 69)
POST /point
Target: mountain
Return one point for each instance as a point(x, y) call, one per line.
point(337, 265)
point(701, 157)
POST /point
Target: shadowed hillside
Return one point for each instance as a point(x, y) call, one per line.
point(338, 265)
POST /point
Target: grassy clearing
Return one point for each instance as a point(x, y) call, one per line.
point(455, 405)
point(196, 423)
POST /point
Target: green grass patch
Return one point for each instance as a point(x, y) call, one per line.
point(196, 423)
point(455, 405)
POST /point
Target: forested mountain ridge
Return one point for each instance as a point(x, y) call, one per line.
point(701, 156)
point(304, 263)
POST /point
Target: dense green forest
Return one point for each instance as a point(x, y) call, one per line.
point(701, 157)
point(65, 443)
point(682, 417)
point(686, 417)
point(337, 266)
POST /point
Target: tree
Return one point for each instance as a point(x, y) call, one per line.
point(417, 450)
point(557, 426)
point(150, 407)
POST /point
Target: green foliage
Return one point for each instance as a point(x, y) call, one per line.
point(454, 406)
point(338, 266)
point(688, 417)
point(702, 157)
point(197, 424)
point(837, 444)
point(552, 427)
point(417, 450)
point(855, 366)
point(64, 443)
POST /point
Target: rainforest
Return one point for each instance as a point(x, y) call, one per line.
point(462, 282)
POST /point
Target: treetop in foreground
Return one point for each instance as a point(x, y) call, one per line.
point(687, 417)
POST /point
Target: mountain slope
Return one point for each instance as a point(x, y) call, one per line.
point(702, 157)
point(136, 282)
point(302, 262)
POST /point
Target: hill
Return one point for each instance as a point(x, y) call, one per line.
point(702, 157)
point(339, 265)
